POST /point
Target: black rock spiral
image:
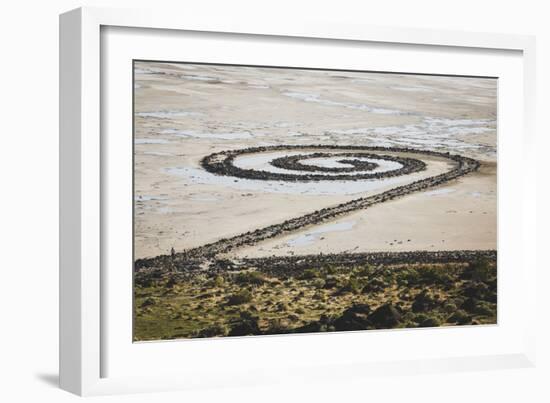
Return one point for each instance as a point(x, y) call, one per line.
point(223, 163)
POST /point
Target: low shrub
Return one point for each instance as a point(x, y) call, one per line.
point(215, 330)
point(375, 285)
point(219, 281)
point(475, 289)
point(318, 283)
point(330, 270)
point(480, 270)
point(470, 304)
point(459, 317)
point(449, 307)
point(148, 302)
point(385, 317)
point(485, 309)
point(427, 275)
point(429, 322)
point(250, 278)
point(278, 326)
point(331, 282)
point(363, 271)
point(423, 302)
point(241, 297)
point(435, 275)
point(352, 285)
point(308, 274)
point(246, 325)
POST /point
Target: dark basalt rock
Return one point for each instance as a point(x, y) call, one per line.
point(324, 324)
point(423, 302)
point(245, 326)
point(485, 309)
point(460, 317)
point(429, 322)
point(148, 302)
point(331, 282)
point(476, 290)
point(213, 331)
point(385, 317)
point(354, 318)
point(470, 304)
point(374, 285)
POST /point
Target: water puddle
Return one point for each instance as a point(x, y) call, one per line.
point(438, 192)
point(327, 102)
point(313, 235)
point(168, 114)
point(326, 188)
point(151, 141)
point(204, 135)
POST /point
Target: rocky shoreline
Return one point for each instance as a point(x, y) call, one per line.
point(294, 265)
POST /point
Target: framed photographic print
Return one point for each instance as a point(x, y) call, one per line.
point(236, 199)
point(305, 174)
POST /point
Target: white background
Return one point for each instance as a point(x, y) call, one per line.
point(29, 154)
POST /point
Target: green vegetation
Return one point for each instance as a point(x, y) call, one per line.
point(239, 298)
point(250, 277)
point(332, 298)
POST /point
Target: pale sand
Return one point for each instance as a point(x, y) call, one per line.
point(181, 119)
point(459, 215)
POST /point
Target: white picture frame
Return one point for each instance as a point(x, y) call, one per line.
point(84, 174)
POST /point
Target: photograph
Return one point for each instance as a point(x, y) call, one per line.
point(273, 200)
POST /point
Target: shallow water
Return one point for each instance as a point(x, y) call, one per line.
point(453, 135)
point(313, 235)
point(157, 153)
point(168, 114)
point(327, 102)
point(145, 198)
point(439, 192)
point(151, 141)
point(200, 176)
point(208, 135)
